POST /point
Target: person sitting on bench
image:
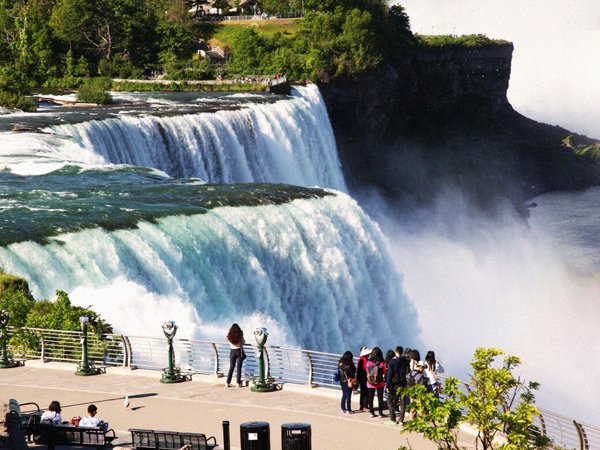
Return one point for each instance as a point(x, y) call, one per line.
point(91, 420)
point(52, 416)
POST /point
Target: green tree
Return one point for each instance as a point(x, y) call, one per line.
point(222, 6)
point(340, 43)
point(496, 404)
point(250, 52)
point(62, 315)
point(174, 31)
point(15, 298)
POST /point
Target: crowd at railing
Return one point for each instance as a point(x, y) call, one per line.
point(283, 365)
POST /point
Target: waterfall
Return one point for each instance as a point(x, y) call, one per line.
point(288, 141)
point(317, 271)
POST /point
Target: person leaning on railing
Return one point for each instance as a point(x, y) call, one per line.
point(235, 336)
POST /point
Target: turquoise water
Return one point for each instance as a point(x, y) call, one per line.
point(72, 199)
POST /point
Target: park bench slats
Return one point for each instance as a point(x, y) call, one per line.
point(164, 440)
point(53, 435)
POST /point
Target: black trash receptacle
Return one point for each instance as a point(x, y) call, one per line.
point(255, 436)
point(296, 436)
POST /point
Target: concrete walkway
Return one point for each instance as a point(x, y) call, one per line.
point(200, 406)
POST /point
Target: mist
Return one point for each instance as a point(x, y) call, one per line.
point(556, 65)
point(499, 282)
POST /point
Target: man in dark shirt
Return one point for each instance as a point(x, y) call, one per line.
point(398, 369)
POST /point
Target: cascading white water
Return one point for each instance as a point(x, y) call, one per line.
point(289, 141)
point(318, 271)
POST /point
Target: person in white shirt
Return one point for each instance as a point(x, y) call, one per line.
point(91, 420)
point(52, 416)
point(432, 369)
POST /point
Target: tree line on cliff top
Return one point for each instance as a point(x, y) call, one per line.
point(59, 43)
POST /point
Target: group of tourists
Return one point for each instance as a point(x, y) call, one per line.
point(375, 373)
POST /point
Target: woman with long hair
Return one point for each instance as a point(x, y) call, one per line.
point(376, 380)
point(347, 373)
point(235, 336)
point(415, 357)
point(432, 369)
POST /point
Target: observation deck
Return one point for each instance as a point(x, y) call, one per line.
point(200, 405)
point(134, 365)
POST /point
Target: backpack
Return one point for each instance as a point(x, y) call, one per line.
point(374, 375)
point(411, 379)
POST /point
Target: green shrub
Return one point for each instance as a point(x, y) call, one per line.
point(94, 90)
point(16, 100)
point(190, 70)
point(467, 40)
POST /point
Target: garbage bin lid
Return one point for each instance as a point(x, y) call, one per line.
point(254, 425)
point(295, 426)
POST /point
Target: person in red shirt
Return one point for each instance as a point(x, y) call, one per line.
point(376, 380)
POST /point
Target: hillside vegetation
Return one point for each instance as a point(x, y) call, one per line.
point(60, 43)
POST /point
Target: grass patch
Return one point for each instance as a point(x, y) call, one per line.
point(222, 34)
point(466, 40)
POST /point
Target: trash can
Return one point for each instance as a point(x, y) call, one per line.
point(296, 436)
point(255, 436)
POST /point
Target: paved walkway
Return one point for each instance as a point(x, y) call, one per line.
point(200, 406)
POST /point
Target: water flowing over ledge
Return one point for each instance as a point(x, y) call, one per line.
point(288, 141)
point(318, 270)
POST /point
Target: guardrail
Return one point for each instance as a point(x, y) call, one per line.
point(284, 365)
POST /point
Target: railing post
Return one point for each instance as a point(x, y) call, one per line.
point(583, 442)
point(311, 373)
point(43, 351)
point(216, 352)
point(267, 363)
point(543, 424)
point(126, 351)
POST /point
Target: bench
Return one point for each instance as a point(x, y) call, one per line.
point(53, 435)
point(153, 439)
point(25, 418)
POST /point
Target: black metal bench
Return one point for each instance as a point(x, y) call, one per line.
point(25, 418)
point(53, 435)
point(154, 439)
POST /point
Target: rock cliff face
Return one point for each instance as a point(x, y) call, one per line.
point(442, 119)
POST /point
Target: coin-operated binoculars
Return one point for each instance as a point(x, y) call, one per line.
point(84, 367)
point(262, 383)
point(171, 374)
point(6, 360)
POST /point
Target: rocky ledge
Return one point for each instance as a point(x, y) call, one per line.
point(442, 119)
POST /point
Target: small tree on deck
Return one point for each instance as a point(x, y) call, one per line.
point(497, 404)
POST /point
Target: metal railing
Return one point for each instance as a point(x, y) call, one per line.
point(284, 365)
